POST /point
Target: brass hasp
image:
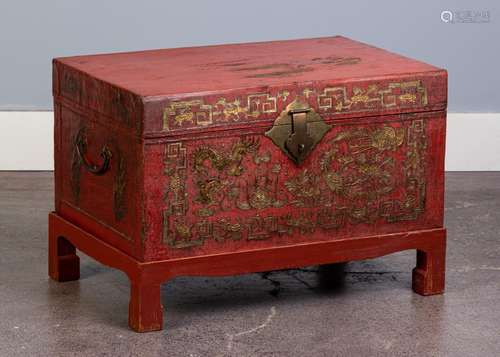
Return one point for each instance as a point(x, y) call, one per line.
point(297, 130)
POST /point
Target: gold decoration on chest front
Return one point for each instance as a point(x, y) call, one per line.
point(362, 175)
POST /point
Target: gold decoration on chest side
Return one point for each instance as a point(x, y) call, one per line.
point(119, 185)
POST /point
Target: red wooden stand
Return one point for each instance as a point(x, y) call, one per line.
point(145, 309)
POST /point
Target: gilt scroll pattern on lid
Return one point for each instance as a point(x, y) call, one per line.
point(202, 112)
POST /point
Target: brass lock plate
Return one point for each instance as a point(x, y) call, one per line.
point(297, 130)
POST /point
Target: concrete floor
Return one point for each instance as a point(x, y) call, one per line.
point(287, 313)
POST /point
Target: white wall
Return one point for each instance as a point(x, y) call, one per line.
point(473, 141)
point(32, 32)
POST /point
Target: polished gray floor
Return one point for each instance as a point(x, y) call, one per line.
point(368, 311)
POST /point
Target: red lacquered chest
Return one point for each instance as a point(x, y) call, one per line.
point(240, 158)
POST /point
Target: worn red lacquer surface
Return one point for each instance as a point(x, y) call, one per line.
point(163, 155)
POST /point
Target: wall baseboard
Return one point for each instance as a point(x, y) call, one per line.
point(26, 141)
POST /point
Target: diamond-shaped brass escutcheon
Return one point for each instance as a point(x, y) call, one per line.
point(297, 130)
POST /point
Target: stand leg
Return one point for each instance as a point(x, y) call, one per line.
point(145, 312)
point(429, 274)
point(64, 264)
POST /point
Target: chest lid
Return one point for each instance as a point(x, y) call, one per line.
point(171, 91)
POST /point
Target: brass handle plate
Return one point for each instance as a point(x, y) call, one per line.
point(297, 130)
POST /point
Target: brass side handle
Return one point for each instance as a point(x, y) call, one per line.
point(81, 150)
point(80, 158)
point(297, 131)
